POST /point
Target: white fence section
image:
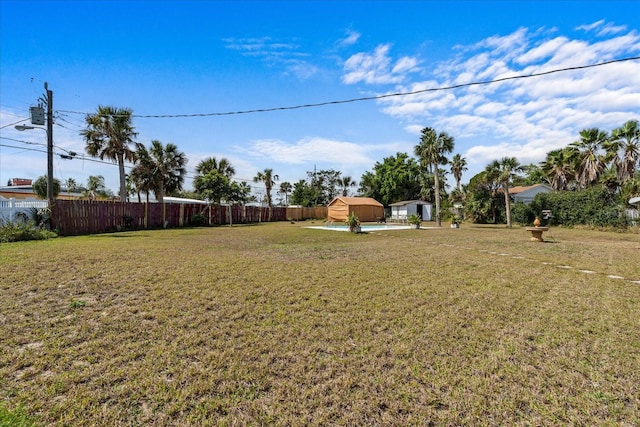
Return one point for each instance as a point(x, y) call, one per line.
point(634, 216)
point(9, 208)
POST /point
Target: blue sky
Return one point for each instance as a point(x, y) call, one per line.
point(210, 57)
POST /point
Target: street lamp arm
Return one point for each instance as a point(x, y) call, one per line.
point(26, 127)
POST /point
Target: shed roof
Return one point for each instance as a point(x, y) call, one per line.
point(357, 201)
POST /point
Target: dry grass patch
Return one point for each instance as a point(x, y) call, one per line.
point(282, 325)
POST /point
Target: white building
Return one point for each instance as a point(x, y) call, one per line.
point(401, 210)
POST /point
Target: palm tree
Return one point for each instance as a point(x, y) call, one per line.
point(71, 185)
point(623, 148)
point(108, 135)
point(269, 178)
point(558, 169)
point(347, 182)
point(162, 168)
point(587, 153)
point(503, 172)
point(458, 165)
point(222, 166)
point(431, 152)
point(285, 188)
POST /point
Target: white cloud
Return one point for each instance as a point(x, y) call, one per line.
point(405, 64)
point(604, 28)
point(351, 39)
point(527, 117)
point(272, 52)
point(311, 150)
point(590, 27)
point(612, 29)
point(377, 67)
point(542, 51)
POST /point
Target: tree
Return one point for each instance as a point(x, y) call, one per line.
point(269, 179)
point(588, 157)
point(303, 194)
point(223, 166)
point(212, 186)
point(394, 179)
point(324, 184)
point(162, 168)
point(431, 151)
point(213, 181)
point(71, 185)
point(108, 135)
point(96, 187)
point(558, 168)
point(239, 192)
point(482, 203)
point(345, 183)
point(40, 187)
point(623, 148)
point(533, 175)
point(285, 188)
point(458, 165)
point(503, 172)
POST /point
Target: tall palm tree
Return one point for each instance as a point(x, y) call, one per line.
point(285, 188)
point(458, 165)
point(431, 152)
point(345, 183)
point(223, 166)
point(269, 178)
point(587, 153)
point(108, 135)
point(162, 168)
point(503, 172)
point(623, 148)
point(558, 169)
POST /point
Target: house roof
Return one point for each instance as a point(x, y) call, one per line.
point(357, 201)
point(411, 202)
point(523, 188)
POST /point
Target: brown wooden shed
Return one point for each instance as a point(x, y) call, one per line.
point(366, 208)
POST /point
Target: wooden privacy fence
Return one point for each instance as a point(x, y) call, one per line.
point(76, 217)
point(302, 213)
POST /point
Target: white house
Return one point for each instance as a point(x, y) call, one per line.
point(525, 194)
point(401, 210)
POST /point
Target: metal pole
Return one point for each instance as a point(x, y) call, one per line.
point(50, 198)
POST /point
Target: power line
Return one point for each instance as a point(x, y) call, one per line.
point(11, 124)
point(371, 98)
point(23, 142)
point(75, 156)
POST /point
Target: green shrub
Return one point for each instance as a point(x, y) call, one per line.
point(18, 231)
point(522, 214)
point(198, 220)
point(594, 207)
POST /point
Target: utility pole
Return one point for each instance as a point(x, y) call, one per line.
point(50, 198)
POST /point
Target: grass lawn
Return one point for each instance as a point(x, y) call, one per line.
point(277, 324)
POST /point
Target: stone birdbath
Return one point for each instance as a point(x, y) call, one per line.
point(536, 231)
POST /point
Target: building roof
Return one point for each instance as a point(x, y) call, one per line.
point(357, 201)
point(522, 188)
point(411, 202)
